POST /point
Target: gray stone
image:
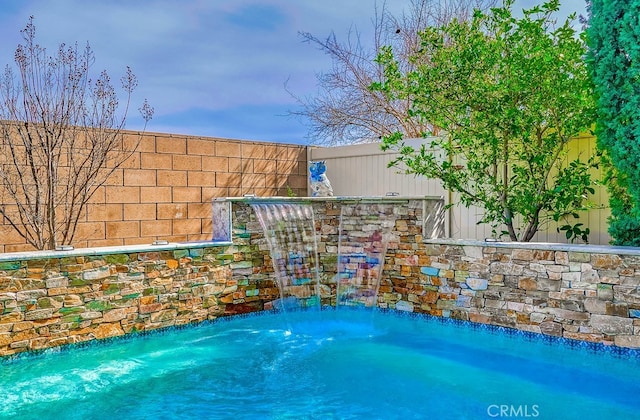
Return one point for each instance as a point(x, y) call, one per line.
point(57, 282)
point(39, 314)
point(496, 304)
point(506, 268)
point(572, 305)
point(628, 294)
point(31, 294)
point(549, 284)
point(595, 306)
point(571, 275)
point(97, 274)
point(446, 304)
point(551, 328)
point(538, 268)
point(627, 340)
point(579, 256)
point(564, 314)
point(537, 317)
point(515, 306)
point(473, 251)
point(605, 291)
point(590, 275)
point(611, 325)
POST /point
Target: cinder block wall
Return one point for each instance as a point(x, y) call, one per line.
point(164, 190)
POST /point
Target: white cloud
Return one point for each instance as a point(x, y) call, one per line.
point(198, 54)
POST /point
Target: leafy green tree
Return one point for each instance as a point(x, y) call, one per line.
point(614, 61)
point(509, 94)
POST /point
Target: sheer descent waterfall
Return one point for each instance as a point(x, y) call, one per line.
point(289, 229)
point(365, 231)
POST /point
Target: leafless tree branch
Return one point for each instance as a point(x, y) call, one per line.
point(60, 137)
point(345, 110)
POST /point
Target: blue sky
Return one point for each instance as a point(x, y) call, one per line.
point(209, 67)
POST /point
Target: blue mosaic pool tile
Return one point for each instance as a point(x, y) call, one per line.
point(634, 313)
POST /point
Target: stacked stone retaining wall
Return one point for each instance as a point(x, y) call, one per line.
point(580, 292)
point(51, 301)
point(575, 291)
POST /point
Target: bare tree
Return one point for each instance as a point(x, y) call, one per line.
point(60, 138)
point(345, 110)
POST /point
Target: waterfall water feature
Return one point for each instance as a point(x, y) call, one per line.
point(365, 231)
point(289, 229)
point(364, 234)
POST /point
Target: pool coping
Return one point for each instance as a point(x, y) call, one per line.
point(109, 250)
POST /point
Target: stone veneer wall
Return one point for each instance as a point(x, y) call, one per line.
point(579, 292)
point(49, 299)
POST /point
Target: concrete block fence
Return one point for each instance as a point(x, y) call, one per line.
point(164, 190)
point(580, 292)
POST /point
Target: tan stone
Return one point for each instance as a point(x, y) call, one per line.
point(522, 254)
point(226, 299)
point(592, 337)
point(147, 300)
point(11, 317)
point(543, 255)
point(39, 314)
point(527, 283)
point(154, 307)
point(562, 258)
point(23, 325)
point(5, 339)
point(72, 300)
point(19, 344)
point(114, 315)
point(480, 318)
point(606, 261)
point(163, 316)
point(108, 330)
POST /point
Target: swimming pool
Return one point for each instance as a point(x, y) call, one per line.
point(346, 364)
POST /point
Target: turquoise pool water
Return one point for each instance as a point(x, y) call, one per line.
point(342, 364)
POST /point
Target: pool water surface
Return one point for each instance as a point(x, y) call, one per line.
point(342, 364)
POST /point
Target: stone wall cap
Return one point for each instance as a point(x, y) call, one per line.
point(546, 246)
point(384, 199)
point(107, 250)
